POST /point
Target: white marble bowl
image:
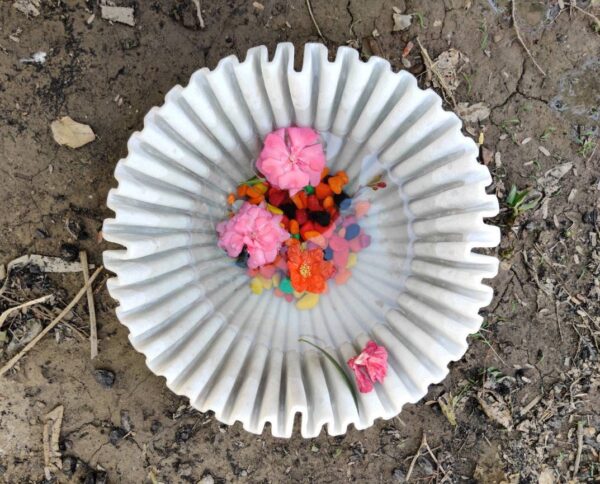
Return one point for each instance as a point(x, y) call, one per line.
point(417, 289)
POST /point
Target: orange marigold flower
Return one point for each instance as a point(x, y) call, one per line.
point(308, 271)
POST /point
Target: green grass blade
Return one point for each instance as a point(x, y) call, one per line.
point(338, 368)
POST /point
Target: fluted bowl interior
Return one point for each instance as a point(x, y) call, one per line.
point(416, 289)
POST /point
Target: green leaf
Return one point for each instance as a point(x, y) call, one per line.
point(510, 198)
point(338, 368)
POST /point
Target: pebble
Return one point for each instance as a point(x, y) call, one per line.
point(355, 245)
point(352, 260)
point(285, 286)
point(352, 231)
point(267, 283)
point(340, 258)
point(345, 204)
point(69, 252)
point(256, 285)
point(116, 434)
point(106, 378)
point(308, 301)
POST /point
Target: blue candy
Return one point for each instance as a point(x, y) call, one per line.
point(352, 231)
point(328, 253)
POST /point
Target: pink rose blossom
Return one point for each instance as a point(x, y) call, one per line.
point(292, 158)
point(257, 229)
point(369, 366)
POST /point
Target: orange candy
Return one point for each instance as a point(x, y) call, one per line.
point(328, 202)
point(323, 191)
point(241, 190)
point(230, 199)
point(324, 173)
point(294, 226)
point(300, 199)
point(336, 184)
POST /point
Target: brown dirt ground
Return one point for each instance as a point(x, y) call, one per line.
point(542, 329)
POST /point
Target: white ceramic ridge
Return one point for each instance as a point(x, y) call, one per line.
point(417, 290)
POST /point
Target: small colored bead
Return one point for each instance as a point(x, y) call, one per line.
point(285, 286)
point(328, 202)
point(301, 216)
point(352, 260)
point(323, 191)
point(328, 253)
point(308, 301)
point(312, 203)
point(309, 189)
point(336, 184)
point(352, 231)
point(296, 236)
point(256, 285)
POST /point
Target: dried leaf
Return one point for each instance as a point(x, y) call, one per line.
point(28, 7)
point(549, 182)
point(71, 133)
point(495, 408)
point(473, 113)
point(546, 476)
point(123, 15)
point(448, 64)
point(445, 403)
point(401, 21)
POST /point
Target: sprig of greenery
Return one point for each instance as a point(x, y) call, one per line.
point(337, 367)
point(520, 201)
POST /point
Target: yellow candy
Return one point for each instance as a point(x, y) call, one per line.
point(266, 283)
point(298, 295)
point(352, 260)
point(256, 285)
point(308, 301)
point(276, 279)
point(274, 209)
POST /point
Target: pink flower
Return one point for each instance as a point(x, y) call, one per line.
point(292, 158)
point(257, 229)
point(369, 366)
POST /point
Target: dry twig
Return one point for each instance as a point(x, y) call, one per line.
point(579, 448)
point(314, 20)
point(7, 313)
point(51, 438)
point(91, 307)
point(48, 328)
point(591, 15)
point(514, 19)
point(416, 456)
point(199, 13)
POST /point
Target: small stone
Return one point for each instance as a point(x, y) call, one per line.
point(41, 234)
point(69, 252)
point(156, 427)
point(106, 378)
point(398, 475)
point(352, 260)
point(183, 434)
point(69, 465)
point(285, 286)
point(207, 479)
point(321, 217)
point(308, 301)
point(116, 434)
point(328, 253)
point(352, 231)
point(256, 285)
